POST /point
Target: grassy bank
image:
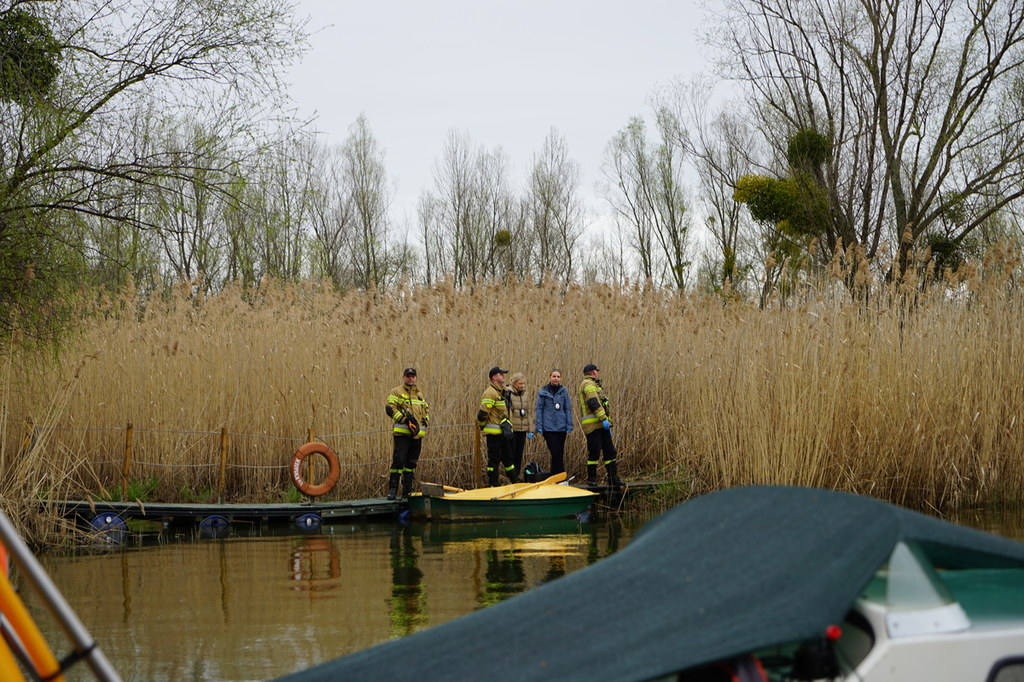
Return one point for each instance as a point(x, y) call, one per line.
point(916, 400)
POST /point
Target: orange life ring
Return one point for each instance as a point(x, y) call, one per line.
point(333, 473)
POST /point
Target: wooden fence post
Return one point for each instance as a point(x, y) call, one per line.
point(223, 464)
point(26, 444)
point(126, 467)
point(313, 472)
point(477, 464)
point(30, 431)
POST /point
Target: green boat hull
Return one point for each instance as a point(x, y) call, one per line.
point(454, 509)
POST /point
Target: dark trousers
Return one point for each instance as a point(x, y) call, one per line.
point(597, 442)
point(499, 455)
point(406, 454)
point(556, 446)
point(518, 446)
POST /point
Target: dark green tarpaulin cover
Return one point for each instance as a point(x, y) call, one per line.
point(717, 576)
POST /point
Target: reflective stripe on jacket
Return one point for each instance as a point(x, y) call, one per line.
point(591, 419)
point(405, 400)
point(492, 402)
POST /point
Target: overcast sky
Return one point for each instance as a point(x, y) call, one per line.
point(503, 72)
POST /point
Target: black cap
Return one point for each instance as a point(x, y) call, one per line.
point(496, 370)
point(408, 371)
point(587, 369)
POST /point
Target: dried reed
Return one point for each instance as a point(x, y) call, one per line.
point(904, 393)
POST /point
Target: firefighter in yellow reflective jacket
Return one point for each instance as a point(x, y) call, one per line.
point(597, 426)
point(410, 414)
point(492, 418)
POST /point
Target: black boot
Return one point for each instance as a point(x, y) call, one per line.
point(406, 483)
point(613, 476)
point(492, 478)
point(513, 475)
point(591, 475)
point(393, 485)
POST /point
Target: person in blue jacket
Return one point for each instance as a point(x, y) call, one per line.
point(554, 418)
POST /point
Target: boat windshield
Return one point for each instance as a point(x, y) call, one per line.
point(917, 600)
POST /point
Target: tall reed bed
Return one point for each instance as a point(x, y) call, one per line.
point(33, 469)
point(908, 397)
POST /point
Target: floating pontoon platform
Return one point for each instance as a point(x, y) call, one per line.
point(107, 515)
point(196, 512)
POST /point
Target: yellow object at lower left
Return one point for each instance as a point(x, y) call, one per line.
point(18, 621)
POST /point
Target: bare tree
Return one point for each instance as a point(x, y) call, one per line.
point(365, 180)
point(331, 218)
point(554, 210)
point(606, 259)
point(474, 210)
point(64, 142)
point(122, 250)
point(721, 146)
point(647, 194)
point(241, 261)
point(189, 203)
point(497, 216)
point(285, 186)
point(453, 181)
point(435, 261)
point(626, 166)
point(668, 197)
point(269, 211)
point(920, 100)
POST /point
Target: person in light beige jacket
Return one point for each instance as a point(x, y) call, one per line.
point(521, 414)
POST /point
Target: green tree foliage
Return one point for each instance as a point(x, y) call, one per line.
point(921, 101)
point(946, 254)
point(797, 204)
point(29, 56)
point(808, 150)
point(85, 181)
point(770, 200)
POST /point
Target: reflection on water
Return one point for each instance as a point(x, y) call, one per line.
point(504, 577)
point(407, 602)
point(265, 601)
point(316, 567)
point(1006, 522)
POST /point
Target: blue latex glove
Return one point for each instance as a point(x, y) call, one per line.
point(529, 435)
point(540, 430)
point(606, 424)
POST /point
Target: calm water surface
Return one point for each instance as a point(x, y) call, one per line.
point(266, 601)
